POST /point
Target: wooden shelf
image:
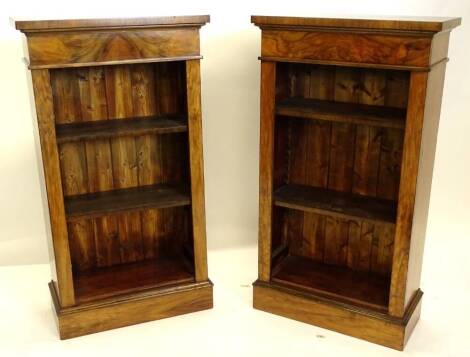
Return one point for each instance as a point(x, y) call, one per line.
point(102, 129)
point(342, 112)
point(130, 199)
point(341, 283)
point(131, 277)
point(334, 203)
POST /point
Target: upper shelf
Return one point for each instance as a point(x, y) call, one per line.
point(125, 200)
point(342, 112)
point(334, 203)
point(92, 130)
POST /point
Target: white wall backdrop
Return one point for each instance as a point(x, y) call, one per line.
point(230, 98)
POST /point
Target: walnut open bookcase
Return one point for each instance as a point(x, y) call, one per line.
point(349, 117)
point(119, 126)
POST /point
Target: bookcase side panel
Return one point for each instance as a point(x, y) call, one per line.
point(432, 110)
point(407, 191)
point(266, 157)
point(193, 88)
point(427, 89)
point(424, 180)
point(50, 158)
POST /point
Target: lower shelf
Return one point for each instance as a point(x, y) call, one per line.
point(123, 279)
point(344, 284)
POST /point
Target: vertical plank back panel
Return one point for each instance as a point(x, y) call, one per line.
point(341, 164)
point(120, 92)
point(173, 149)
point(124, 157)
point(100, 168)
point(360, 159)
point(70, 89)
point(322, 84)
point(148, 150)
point(368, 139)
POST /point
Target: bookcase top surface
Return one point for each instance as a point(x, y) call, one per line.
point(84, 24)
point(386, 23)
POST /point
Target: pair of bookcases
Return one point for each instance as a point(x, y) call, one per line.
point(348, 107)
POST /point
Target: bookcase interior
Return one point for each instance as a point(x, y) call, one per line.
point(122, 136)
point(337, 160)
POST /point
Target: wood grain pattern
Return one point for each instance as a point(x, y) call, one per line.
point(75, 47)
point(126, 200)
point(99, 163)
point(399, 68)
point(131, 309)
point(268, 88)
point(344, 318)
point(341, 157)
point(390, 165)
point(406, 199)
point(432, 110)
point(193, 83)
point(83, 98)
point(313, 236)
point(364, 289)
point(108, 249)
point(50, 158)
point(342, 112)
point(125, 168)
point(355, 88)
point(130, 278)
point(82, 244)
point(281, 153)
point(87, 24)
point(369, 157)
point(334, 203)
point(148, 150)
point(410, 243)
point(69, 93)
point(336, 241)
point(366, 160)
point(358, 48)
point(381, 23)
point(105, 129)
